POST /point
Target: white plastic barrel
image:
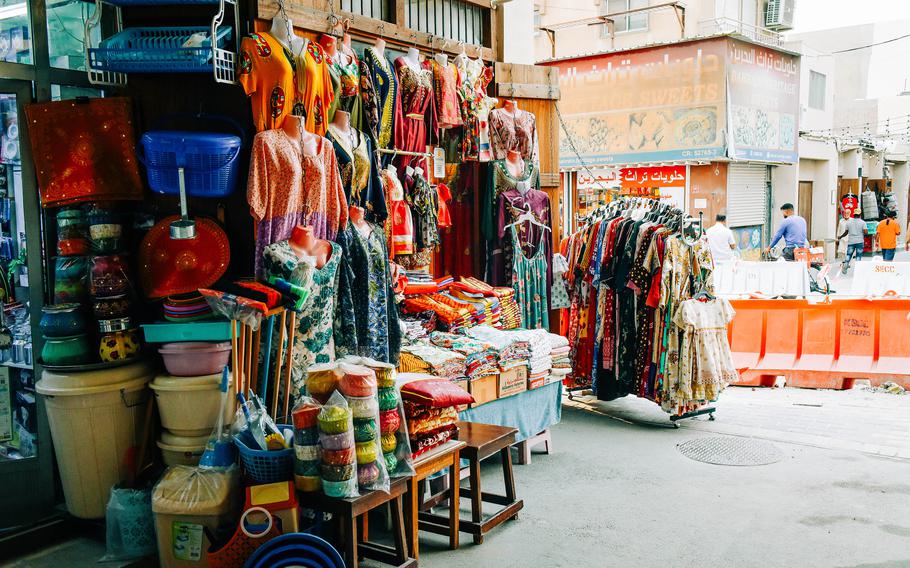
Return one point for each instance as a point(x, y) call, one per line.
point(95, 418)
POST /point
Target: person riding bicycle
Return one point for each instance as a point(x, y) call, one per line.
point(793, 230)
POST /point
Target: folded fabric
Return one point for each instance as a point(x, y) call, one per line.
point(437, 393)
point(420, 426)
point(426, 442)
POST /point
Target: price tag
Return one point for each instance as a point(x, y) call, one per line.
point(439, 163)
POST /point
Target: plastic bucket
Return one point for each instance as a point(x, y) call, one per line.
point(95, 418)
point(189, 406)
point(181, 450)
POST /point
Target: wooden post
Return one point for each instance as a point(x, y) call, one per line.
point(279, 352)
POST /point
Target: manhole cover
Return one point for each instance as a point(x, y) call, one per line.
point(731, 451)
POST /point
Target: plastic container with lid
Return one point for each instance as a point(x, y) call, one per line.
point(189, 406)
point(181, 450)
point(95, 418)
point(193, 359)
point(186, 501)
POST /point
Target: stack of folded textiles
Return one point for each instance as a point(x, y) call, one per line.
point(453, 315)
point(480, 357)
point(423, 283)
point(423, 358)
point(562, 364)
point(429, 406)
point(539, 363)
point(509, 313)
point(513, 349)
point(419, 325)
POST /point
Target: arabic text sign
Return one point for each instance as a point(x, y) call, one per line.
point(602, 177)
point(658, 176)
point(763, 103)
point(650, 105)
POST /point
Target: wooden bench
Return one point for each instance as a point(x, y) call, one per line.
point(445, 456)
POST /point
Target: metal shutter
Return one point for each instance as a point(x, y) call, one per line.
point(747, 195)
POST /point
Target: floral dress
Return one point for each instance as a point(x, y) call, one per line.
point(375, 68)
point(314, 340)
point(346, 85)
point(445, 86)
point(475, 108)
point(375, 312)
point(706, 364)
point(529, 279)
point(415, 112)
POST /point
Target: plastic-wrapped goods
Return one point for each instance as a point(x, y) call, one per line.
point(130, 524)
point(358, 384)
point(322, 380)
point(336, 436)
point(870, 206)
point(191, 503)
point(394, 441)
point(385, 372)
point(306, 444)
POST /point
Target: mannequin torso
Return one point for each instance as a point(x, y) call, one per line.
point(304, 243)
point(442, 59)
point(282, 30)
point(510, 106)
point(342, 125)
point(413, 59)
point(514, 164)
point(379, 46)
point(359, 221)
point(306, 142)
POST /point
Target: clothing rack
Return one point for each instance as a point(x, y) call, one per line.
point(404, 153)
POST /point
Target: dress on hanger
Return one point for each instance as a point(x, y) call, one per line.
point(512, 204)
point(314, 340)
point(359, 172)
point(399, 227)
point(375, 312)
point(346, 85)
point(415, 111)
point(445, 87)
point(283, 185)
point(514, 131)
point(529, 279)
point(424, 209)
point(314, 86)
point(475, 108)
point(375, 67)
point(266, 74)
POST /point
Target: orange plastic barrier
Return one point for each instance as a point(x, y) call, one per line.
point(823, 346)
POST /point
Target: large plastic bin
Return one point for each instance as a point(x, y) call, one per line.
point(95, 418)
point(189, 406)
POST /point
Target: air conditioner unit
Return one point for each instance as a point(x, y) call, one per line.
point(779, 14)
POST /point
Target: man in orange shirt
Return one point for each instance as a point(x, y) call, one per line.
point(888, 230)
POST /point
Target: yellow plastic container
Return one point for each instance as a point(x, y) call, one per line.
point(181, 450)
point(189, 406)
point(95, 418)
point(186, 501)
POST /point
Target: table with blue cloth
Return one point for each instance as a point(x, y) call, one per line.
point(531, 412)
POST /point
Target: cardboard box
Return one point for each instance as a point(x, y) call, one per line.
point(513, 381)
point(484, 389)
point(537, 383)
point(463, 383)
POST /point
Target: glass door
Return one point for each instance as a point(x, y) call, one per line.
point(26, 459)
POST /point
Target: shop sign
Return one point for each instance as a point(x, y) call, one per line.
point(657, 176)
point(660, 104)
point(763, 103)
point(597, 178)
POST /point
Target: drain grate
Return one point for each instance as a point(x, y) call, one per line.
point(731, 451)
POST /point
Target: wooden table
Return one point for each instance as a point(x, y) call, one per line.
point(347, 512)
point(445, 456)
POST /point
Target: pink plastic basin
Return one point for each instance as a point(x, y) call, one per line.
point(192, 359)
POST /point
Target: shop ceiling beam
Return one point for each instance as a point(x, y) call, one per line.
point(526, 81)
point(318, 16)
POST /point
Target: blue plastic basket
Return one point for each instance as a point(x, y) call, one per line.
point(156, 50)
point(209, 161)
point(266, 467)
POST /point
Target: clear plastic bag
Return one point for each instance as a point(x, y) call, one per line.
point(372, 474)
point(305, 417)
point(130, 525)
point(338, 462)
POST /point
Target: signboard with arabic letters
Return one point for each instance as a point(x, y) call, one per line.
point(657, 176)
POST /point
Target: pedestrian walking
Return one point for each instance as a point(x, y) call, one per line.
point(855, 232)
point(721, 240)
point(888, 230)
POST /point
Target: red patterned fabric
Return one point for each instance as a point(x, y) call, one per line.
point(84, 151)
point(436, 393)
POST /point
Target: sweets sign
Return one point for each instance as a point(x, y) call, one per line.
point(658, 176)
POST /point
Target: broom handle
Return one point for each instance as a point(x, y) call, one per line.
point(279, 358)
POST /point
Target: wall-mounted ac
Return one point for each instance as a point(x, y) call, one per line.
point(779, 14)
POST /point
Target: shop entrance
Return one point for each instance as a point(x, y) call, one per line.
point(26, 458)
point(805, 204)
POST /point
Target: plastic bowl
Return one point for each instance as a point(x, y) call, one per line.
point(366, 452)
point(332, 473)
point(365, 407)
point(340, 489)
point(334, 420)
point(391, 461)
point(389, 442)
point(307, 468)
point(365, 429)
point(389, 421)
point(338, 457)
point(388, 399)
point(367, 474)
point(306, 453)
point(193, 359)
point(337, 441)
point(357, 381)
point(305, 415)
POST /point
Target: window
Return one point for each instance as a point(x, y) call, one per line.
point(15, 32)
point(537, 22)
point(457, 20)
point(637, 21)
point(65, 32)
point(816, 90)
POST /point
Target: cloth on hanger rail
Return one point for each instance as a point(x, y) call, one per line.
point(475, 108)
point(314, 86)
point(380, 98)
point(266, 73)
point(415, 113)
point(359, 172)
point(446, 81)
point(514, 131)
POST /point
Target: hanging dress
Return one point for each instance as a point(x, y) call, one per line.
point(475, 108)
point(359, 171)
point(513, 131)
point(266, 74)
point(375, 67)
point(346, 85)
point(446, 80)
point(399, 227)
point(529, 279)
point(415, 112)
point(314, 340)
point(314, 87)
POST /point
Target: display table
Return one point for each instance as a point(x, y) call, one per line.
point(531, 412)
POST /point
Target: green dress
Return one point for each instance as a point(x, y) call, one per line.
point(529, 279)
point(314, 341)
